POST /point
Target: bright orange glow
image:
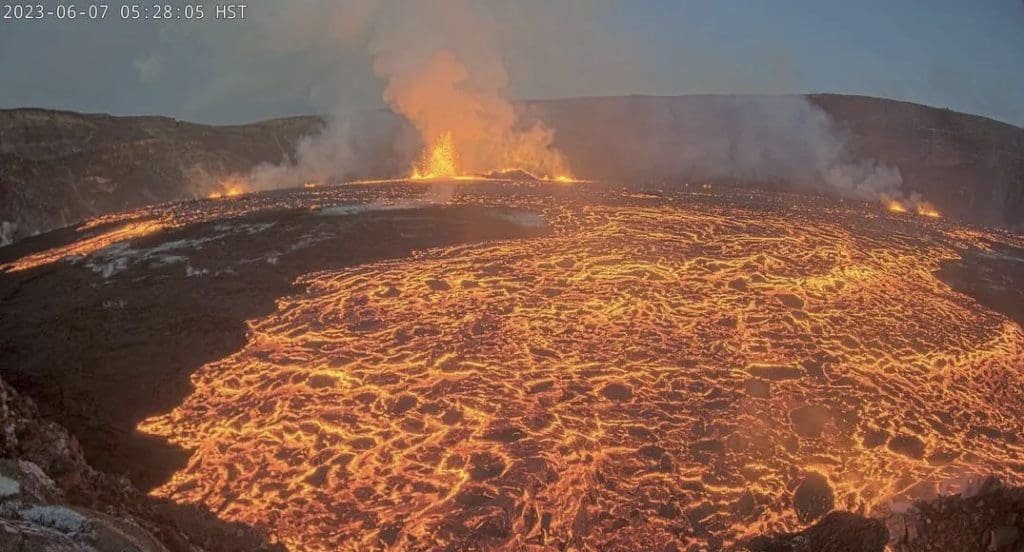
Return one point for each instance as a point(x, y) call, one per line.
point(922, 208)
point(639, 370)
point(927, 210)
point(229, 187)
point(896, 206)
point(440, 161)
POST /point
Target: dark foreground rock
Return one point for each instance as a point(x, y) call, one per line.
point(988, 517)
point(52, 500)
point(836, 532)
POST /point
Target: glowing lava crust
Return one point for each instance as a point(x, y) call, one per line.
point(654, 372)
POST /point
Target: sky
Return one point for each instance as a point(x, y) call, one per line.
point(289, 58)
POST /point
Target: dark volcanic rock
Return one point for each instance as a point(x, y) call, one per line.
point(970, 167)
point(57, 168)
point(994, 277)
point(836, 532)
point(907, 445)
point(617, 392)
point(987, 517)
point(51, 499)
point(813, 497)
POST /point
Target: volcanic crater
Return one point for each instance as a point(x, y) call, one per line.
point(526, 364)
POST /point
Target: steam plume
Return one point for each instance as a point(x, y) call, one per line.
point(780, 140)
point(444, 74)
point(441, 70)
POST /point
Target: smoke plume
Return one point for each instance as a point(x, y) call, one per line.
point(785, 141)
point(441, 71)
point(369, 144)
point(445, 74)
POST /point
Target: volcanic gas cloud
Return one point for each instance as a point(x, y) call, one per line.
point(443, 73)
point(455, 101)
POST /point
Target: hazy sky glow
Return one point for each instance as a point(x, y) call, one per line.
point(964, 55)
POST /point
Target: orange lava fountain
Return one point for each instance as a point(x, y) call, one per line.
point(895, 206)
point(438, 161)
point(229, 187)
point(927, 210)
point(922, 208)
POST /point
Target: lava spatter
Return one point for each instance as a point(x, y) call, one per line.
point(647, 375)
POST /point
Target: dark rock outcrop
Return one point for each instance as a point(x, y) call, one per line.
point(51, 499)
point(836, 532)
point(988, 517)
point(813, 497)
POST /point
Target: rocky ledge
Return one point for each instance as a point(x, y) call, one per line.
point(52, 500)
point(988, 517)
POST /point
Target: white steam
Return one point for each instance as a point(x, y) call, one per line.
point(787, 141)
point(349, 146)
point(441, 70)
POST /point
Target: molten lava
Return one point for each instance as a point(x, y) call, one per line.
point(896, 206)
point(926, 209)
point(86, 246)
point(919, 206)
point(654, 372)
point(439, 161)
point(229, 187)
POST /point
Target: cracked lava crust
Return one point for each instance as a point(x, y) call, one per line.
point(653, 369)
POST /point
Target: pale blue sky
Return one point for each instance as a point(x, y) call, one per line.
point(965, 55)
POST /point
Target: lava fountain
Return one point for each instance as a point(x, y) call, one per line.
point(441, 162)
point(915, 204)
point(438, 161)
point(895, 206)
point(232, 186)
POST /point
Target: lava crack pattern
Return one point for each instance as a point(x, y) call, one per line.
point(645, 376)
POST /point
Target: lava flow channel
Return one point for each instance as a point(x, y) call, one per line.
point(643, 377)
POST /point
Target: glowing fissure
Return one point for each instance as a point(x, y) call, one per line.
point(233, 186)
point(120, 233)
point(912, 204)
point(440, 162)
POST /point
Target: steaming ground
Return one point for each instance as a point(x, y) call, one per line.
point(561, 366)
